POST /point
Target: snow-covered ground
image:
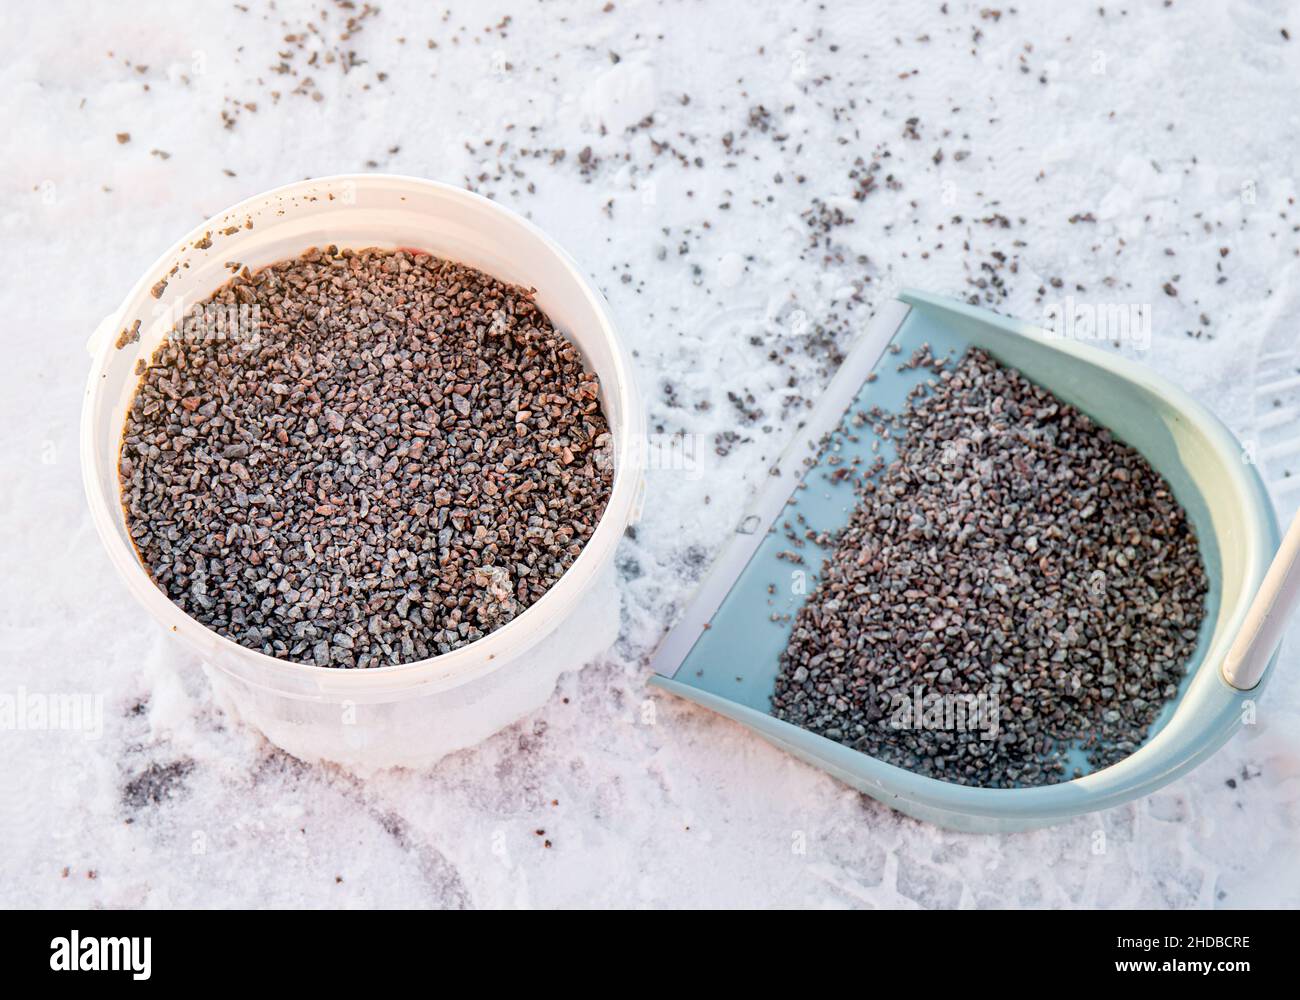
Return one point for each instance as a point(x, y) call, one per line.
point(746, 182)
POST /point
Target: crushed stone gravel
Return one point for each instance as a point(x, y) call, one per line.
point(393, 457)
point(1015, 552)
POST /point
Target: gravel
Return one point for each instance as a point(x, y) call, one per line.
point(1014, 558)
point(395, 456)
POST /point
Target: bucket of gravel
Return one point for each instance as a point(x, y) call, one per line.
point(416, 711)
point(993, 583)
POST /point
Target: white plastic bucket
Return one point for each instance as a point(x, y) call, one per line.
point(408, 715)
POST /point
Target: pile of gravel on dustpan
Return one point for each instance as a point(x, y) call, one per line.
point(1016, 552)
point(399, 458)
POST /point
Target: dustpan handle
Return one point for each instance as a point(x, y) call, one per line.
point(1268, 615)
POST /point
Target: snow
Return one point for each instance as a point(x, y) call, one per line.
point(1171, 127)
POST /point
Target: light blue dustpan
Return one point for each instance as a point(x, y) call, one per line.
point(724, 654)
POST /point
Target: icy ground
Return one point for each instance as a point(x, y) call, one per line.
point(711, 154)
